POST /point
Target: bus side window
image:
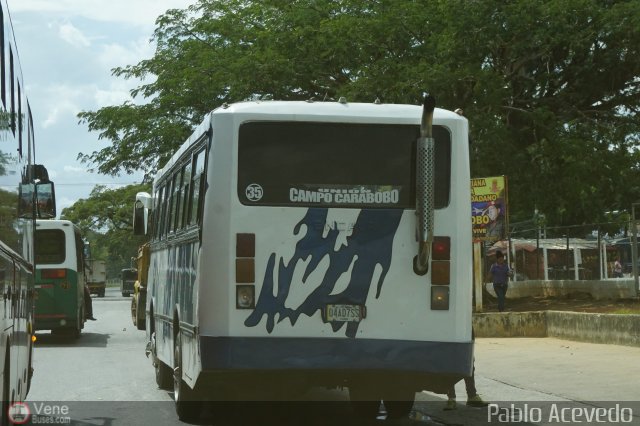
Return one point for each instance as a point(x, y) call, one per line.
point(3, 76)
point(79, 252)
point(184, 208)
point(166, 226)
point(162, 208)
point(157, 200)
point(185, 194)
point(12, 91)
point(19, 119)
point(196, 187)
point(175, 195)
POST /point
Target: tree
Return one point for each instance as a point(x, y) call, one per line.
point(106, 221)
point(550, 87)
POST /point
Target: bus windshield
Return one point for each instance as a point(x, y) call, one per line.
point(336, 164)
point(129, 274)
point(50, 246)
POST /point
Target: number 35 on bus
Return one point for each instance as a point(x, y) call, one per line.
point(303, 244)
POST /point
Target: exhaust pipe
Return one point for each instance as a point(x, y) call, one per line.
point(425, 148)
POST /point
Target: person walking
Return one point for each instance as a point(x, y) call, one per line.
point(500, 273)
point(88, 304)
point(617, 268)
point(473, 399)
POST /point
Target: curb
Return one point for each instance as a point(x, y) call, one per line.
point(616, 329)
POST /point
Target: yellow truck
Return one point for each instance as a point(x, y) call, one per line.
point(139, 298)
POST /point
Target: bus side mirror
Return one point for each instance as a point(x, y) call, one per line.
point(141, 210)
point(139, 222)
point(26, 200)
point(46, 200)
point(36, 194)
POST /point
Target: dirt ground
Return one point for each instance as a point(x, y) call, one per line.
point(575, 303)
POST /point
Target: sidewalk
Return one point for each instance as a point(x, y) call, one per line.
point(517, 370)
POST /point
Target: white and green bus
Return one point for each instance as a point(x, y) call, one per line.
point(304, 244)
point(60, 277)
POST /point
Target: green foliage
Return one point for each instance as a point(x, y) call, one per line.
point(550, 87)
point(106, 221)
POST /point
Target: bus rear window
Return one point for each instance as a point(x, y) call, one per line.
point(50, 246)
point(336, 164)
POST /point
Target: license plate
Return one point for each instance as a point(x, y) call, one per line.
point(345, 313)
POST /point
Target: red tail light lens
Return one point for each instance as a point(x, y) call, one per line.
point(441, 248)
point(53, 273)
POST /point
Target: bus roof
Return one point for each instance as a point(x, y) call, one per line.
point(53, 223)
point(333, 111)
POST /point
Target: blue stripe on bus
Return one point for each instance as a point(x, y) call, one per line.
point(239, 353)
point(371, 243)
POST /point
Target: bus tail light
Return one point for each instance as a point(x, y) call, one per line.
point(53, 273)
point(245, 245)
point(245, 297)
point(439, 298)
point(440, 272)
point(441, 248)
point(245, 270)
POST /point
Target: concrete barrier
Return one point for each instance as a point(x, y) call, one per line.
point(512, 324)
point(618, 329)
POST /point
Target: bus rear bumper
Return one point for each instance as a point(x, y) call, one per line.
point(433, 366)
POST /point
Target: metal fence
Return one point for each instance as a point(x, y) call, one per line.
point(584, 252)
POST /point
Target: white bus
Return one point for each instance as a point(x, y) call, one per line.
point(287, 252)
point(21, 183)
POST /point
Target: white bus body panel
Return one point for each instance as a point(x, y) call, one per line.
point(402, 310)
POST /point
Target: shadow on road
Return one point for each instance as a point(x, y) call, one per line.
point(86, 340)
point(320, 413)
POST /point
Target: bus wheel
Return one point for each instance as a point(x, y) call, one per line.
point(163, 372)
point(399, 403)
point(363, 403)
point(188, 407)
point(398, 409)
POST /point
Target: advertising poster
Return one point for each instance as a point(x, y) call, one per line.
point(489, 208)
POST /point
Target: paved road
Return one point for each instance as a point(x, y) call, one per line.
point(103, 378)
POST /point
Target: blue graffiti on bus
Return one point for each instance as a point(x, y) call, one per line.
point(369, 245)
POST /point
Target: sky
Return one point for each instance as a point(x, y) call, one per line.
point(67, 49)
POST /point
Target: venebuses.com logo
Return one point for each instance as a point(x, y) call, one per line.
point(20, 413)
